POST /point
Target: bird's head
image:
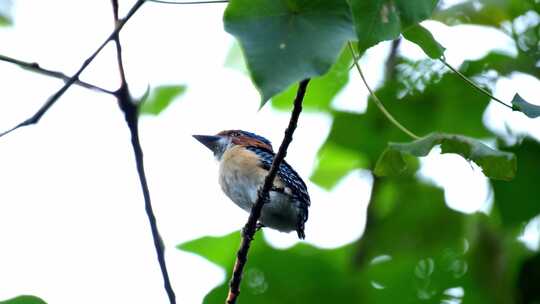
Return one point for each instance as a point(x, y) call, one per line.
point(225, 140)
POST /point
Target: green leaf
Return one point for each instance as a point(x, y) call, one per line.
point(218, 250)
point(424, 39)
point(517, 201)
point(380, 20)
point(495, 164)
point(24, 300)
point(322, 90)
point(5, 13)
point(235, 59)
point(519, 104)
point(333, 164)
point(298, 272)
point(160, 98)
point(286, 41)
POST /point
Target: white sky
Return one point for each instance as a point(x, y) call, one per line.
point(72, 221)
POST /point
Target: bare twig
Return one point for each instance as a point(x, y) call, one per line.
point(377, 100)
point(35, 67)
point(474, 85)
point(250, 228)
point(73, 79)
point(188, 2)
point(130, 110)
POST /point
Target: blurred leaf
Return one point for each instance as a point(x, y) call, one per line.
point(448, 105)
point(218, 250)
point(494, 259)
point(529, 276)
point(333, 164)
point(5, 13)
point(519, 104)
point(495, 164)
point(380, 20)
point(322, 90)
point(160, 98)
point(286, 41)
point(424, 39)
point(24, 300)
point(502, 63)
point(298, 272)
point(486, 12)
point(517, 201)
point(421, 262)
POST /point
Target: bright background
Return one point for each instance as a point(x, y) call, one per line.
point(72, 221)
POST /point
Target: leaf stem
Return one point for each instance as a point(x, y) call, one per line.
point(474, 85)
point(250, 228)
point(376, 99)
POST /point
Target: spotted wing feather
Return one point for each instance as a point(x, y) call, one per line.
point(292, 180)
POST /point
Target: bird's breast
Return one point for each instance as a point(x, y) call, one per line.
point(240, 176)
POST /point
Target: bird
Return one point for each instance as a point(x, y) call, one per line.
point(244, 161)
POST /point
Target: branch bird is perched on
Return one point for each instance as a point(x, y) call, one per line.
point(245, 159)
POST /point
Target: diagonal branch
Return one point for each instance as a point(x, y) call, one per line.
point(131, 113)
point(73, 79)
point(250, 228)
point(35, 67)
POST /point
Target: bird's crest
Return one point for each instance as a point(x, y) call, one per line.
point(244, 138)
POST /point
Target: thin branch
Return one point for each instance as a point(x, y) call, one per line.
point(35, 67)
point(377, 100)
point(474, 85)
point(188, 2)
point(73, 79)
point(250, 228)
point(130, 110)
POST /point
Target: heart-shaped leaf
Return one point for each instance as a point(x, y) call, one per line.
point(286, 41)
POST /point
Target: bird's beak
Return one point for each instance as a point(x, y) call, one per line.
point(210, 141)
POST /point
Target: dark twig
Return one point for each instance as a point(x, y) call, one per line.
point(35, 67)
point(130, 110)
point(250, 228)
point(73, 79)
point(188, 2)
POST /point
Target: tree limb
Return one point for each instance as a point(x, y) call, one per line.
point(73, 79)
point(131, 113)
point(35, 67)
point(250, 228)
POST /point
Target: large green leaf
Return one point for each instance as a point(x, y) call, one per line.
point(518, 201)
point(24, 300)
point(322, 90)
point(495, 164)
point(160, 98)
point(380, 20)
point(286, 41)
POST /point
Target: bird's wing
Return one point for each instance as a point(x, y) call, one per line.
point(289, 177)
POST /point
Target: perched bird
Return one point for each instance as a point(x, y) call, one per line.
point(244, 161)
